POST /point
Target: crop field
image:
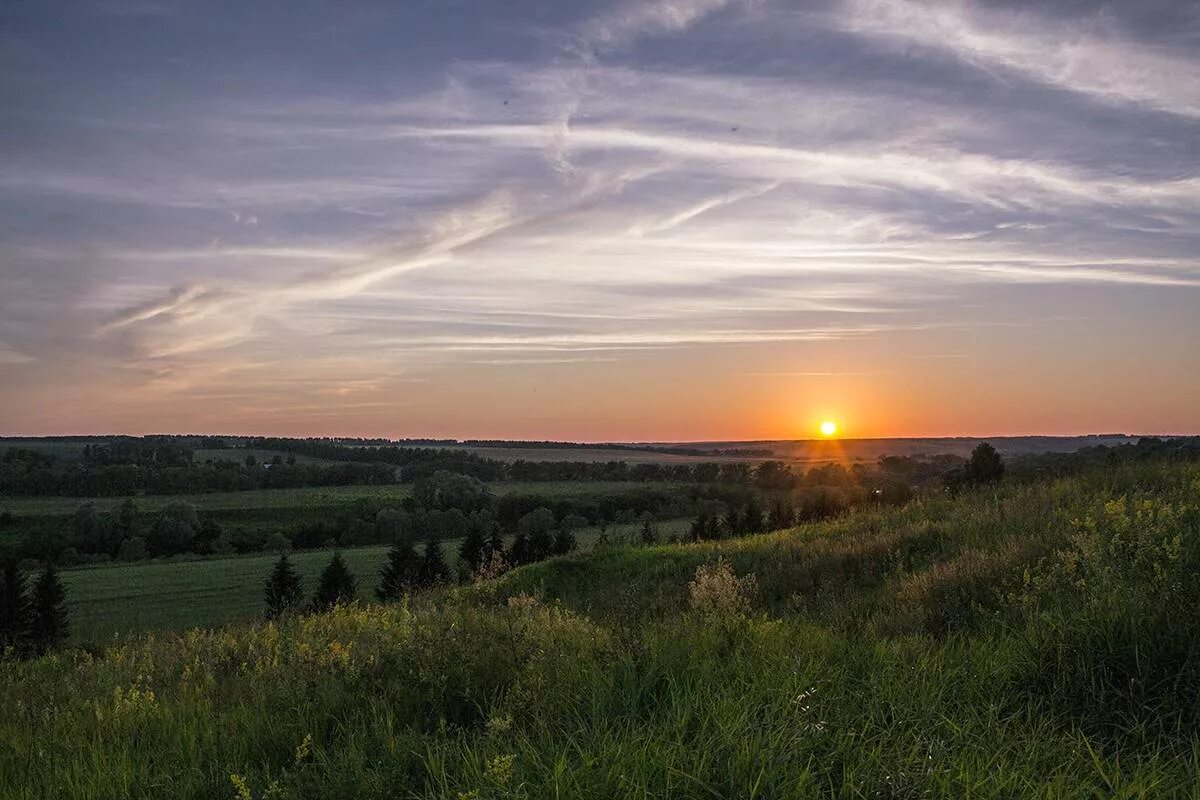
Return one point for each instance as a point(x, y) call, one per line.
point(593, 454)
point(208, 592)
point(324, 497)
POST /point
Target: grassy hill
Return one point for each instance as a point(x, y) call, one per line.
point(174, 594)
point(1019, 641)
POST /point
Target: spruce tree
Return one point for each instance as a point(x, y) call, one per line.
point(14, 607)
point(49, 625)
point(401, 571)
point(284, 590)
point(433, 565)
point(337, 586)
point(472, 549)
point(495, 544)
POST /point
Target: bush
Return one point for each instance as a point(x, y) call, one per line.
point(716, 591)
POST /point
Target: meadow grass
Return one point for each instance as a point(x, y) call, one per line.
point(1021, 641)
point(115, 598)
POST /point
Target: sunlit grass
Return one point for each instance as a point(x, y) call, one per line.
point(1016, 642)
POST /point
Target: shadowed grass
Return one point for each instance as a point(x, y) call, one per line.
point(1027, 641)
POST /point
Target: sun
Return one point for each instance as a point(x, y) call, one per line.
point(828, 428)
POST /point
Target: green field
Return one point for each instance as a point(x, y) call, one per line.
point(176, 594)
point(329, 497)
point(1018, 641)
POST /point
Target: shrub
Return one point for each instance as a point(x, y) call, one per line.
point(716, 591)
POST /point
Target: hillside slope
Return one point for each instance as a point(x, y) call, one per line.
point(1022, 641)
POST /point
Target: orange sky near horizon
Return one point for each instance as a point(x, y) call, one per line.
point(604, 220)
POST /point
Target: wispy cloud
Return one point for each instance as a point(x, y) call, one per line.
point(643, 185)
point(1084, 58)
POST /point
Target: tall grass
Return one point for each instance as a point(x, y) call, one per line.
point(1022, 641)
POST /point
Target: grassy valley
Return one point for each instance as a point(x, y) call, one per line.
point(1029, 638)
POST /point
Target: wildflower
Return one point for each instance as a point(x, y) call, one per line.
point(241, 790)
point(499, 769)
point(304, 749)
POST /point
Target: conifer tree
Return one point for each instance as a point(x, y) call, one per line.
point(495, 543)
point(14, 607)
point(401, 571)
point(699, 529)
point(49, 625)
point(284, 590)
point(433, 565)
point(337, 586)
point(472, 549)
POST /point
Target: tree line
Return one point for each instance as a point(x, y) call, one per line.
point(482, 551)
point(446, 504)
point(28, 472)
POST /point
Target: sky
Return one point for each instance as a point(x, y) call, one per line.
point(653, 220)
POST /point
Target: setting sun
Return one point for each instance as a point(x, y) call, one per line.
point(828, 428)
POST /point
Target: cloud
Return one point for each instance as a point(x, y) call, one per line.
point(630, 20)
point(10, 357)
point(1079, 56)
point(596, 201)
point(690, 213)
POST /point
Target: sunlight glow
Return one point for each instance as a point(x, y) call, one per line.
point(828, 428)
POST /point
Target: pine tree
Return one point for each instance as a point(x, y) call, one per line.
point(433, 565)
point(495, 545)
point(14, 607)
point(337, 586)
point(400, 573)
point(49, 625)
point(472, 549)
point(284, 590)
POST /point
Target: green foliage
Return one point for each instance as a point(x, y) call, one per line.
point(401, 572)
point(284, 590)
point(471, 551)
point(444, 490)
point(985, 465)
point(336, 587)
point(15, 612)
point(433, 569)
point(48, 624)
point(1019, 640)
